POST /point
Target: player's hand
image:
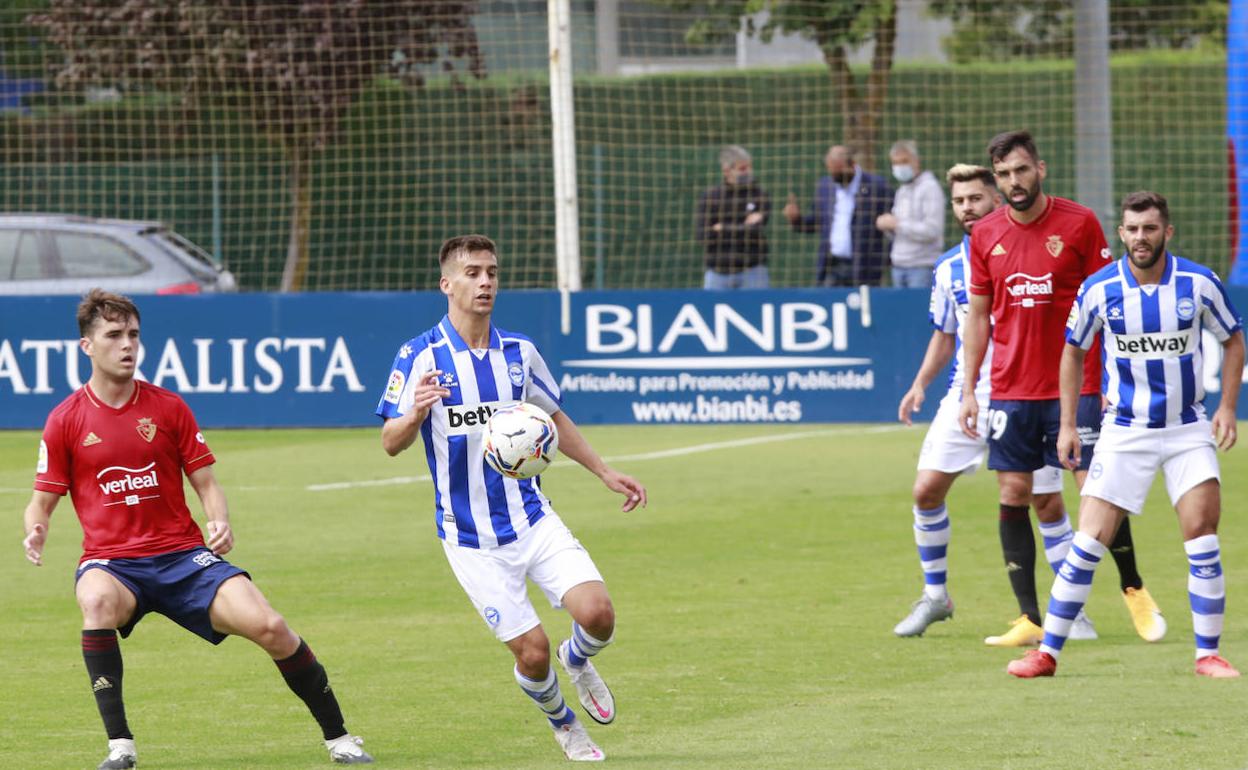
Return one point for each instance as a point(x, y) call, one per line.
point(1069, 448)
point(627, 486)
point(791, 210)
point(968, 416)
point(910, 404)
point(428, 391)
point(220, 537)
point(33, 544)
point(1225, 430)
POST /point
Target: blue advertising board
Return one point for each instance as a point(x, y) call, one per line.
point(273, 360)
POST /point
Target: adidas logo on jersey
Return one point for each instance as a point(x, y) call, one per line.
point(998, 251)
point(92, 440)
point(101, 684)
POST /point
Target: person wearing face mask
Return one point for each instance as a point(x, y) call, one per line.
point(732, 225)
point(852, 251)
point(917, 221)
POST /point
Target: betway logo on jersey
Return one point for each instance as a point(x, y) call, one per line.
point(462, 420)
point(1029, 290)
point(131, 480)
point(1153, 344)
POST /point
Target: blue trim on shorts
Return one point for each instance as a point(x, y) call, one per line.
point(180, 585)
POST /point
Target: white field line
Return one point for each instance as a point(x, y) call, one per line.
point(714, 446)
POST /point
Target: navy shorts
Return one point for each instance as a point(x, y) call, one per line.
point(179, 585)
point(1022, 435)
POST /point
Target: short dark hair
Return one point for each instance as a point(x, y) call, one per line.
point(1004, 143)
point(464, 244)
point(965, 172)
point(97, 304)
point(1143, 200)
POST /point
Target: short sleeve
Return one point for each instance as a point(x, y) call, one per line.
point(396, 397)
point(1084, 322)
point(541, 390)
point(1219, 315)
point(192, 446)
point(53, 468)
point(941, 308)
point(981, 281)
point(1095, 250)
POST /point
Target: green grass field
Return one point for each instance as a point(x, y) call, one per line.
point(756, 597)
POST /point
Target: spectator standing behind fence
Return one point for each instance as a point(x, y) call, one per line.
point(732, 225)
point(852, 251)
point(917, 221)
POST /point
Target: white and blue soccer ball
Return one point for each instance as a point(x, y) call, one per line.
point(520, 441)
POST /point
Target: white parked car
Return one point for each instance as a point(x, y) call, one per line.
point(67, 254)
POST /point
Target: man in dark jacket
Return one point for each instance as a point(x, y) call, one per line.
point(732, 223)
point(852, 251)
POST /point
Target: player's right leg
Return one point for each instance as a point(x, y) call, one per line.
point(946, 454)
point(495, 582)
point(1098, 521)
point(107, 604)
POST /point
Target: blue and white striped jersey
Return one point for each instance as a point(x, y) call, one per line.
point(947, 312)
point(474, 505)
point(1151, 335)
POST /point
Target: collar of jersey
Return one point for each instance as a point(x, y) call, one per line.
point(457, 342)
point(99, 402)
point(1130, 276)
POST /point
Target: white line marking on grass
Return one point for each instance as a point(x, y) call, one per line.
point(644, 456)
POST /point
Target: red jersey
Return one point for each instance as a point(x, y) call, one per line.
point(123, 468)
point(1032, 272)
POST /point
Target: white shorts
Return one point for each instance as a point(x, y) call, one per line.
point(948, 450)
point(494, 578)
point(1127, 459)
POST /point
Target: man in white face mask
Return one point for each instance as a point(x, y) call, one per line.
point(917, 221)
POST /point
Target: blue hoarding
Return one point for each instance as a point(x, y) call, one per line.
point(271, 360)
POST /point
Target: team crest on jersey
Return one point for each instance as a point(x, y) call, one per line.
point(515, 372)
point(1055, 246)
point(146, 429)
point(1185, 308)
point(92, 440)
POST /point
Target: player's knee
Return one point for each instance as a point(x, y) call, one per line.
point(533, 658)
point(100, 609)
point(599, 617)
point(926, 497)
point(272, 633)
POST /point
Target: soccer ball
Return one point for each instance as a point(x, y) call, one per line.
point(520, 441)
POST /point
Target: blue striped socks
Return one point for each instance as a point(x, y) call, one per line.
point(548, 698)
point(1057, 538)
point(1206, 590)
point(1070, 590)
point(582, 646)
point(931, 535)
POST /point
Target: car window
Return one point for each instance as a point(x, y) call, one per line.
point(179, 246)
point(19, 255)
point(95, 256)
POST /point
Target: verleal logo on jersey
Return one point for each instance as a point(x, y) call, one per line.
point(122, 479)
point(394, 387)
point(515, 372)
point(1185, 308)
point(1029, 290)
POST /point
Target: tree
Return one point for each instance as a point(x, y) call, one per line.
point(292, 66)
point(838, 27)
point(1045, 28)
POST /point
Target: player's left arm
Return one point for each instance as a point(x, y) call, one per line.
point(1225, 429)
point(216, 510)
point(573, 444)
